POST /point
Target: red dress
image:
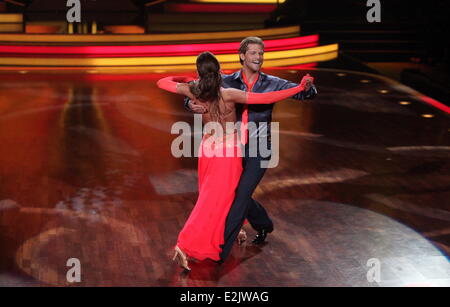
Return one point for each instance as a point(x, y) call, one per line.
point(218, 177)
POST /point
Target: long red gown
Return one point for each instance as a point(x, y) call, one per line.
point(218, 177)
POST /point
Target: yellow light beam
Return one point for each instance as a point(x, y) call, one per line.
point(11, 27)
point(151, 61)
point(10, 18)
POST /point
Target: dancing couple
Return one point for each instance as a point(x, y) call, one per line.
point(227, 181)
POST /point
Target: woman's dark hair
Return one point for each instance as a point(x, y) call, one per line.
point(208, 86)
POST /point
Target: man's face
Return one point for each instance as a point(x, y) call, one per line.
point(253, 57)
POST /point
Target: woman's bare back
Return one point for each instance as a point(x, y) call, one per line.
point(227, 109)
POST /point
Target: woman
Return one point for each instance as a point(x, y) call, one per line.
point(220, 157)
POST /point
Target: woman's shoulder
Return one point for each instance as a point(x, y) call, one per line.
point(226, 93)
point(232, 95)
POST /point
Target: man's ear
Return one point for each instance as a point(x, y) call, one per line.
point(241, 56)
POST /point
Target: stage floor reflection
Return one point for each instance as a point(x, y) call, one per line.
point(86, 172)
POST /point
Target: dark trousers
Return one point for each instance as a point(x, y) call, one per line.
point(244, 206)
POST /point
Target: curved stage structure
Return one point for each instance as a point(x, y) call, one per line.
point(155, 52)
point(131, 39)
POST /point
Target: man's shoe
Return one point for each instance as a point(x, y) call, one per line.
point(260, 237)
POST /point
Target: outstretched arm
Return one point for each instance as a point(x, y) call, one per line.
point(176, 85)
point(237, 96)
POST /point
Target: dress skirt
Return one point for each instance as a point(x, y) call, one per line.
point(219, 170)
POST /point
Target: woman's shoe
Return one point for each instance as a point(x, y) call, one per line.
point(181, 258)
point(242, 236)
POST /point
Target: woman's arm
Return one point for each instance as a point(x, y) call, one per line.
point(176, 85)
point(237, 96)
point(310, 89)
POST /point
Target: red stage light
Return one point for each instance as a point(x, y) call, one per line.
point(435, 103)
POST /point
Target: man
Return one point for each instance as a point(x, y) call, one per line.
point(250, 78)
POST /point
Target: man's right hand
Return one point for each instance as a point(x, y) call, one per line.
point(307, 82)
point(196, 108)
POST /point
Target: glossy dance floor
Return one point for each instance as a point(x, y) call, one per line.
point(86, 172)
